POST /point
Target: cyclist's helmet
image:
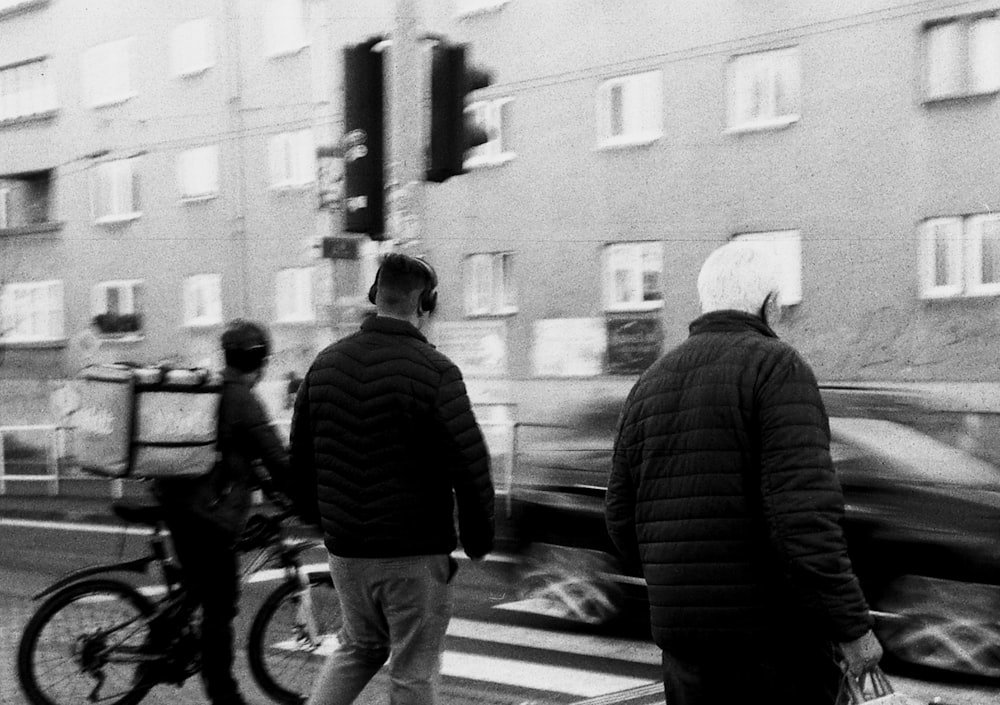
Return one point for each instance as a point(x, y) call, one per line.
point(246, 345)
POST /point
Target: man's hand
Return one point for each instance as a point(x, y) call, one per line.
point(862, 654)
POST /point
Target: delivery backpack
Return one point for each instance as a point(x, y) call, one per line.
point(148, 423)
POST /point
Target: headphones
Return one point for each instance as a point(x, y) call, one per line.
point(428, 297)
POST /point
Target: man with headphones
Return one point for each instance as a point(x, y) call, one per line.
point(207, 514)
point(384, 432)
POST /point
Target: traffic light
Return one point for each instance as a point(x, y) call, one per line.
point(452, 133)
point(364, 141)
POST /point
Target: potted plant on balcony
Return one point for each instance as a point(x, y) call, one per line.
point(118, 325)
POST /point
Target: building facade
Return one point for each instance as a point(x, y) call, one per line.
point(158, 176)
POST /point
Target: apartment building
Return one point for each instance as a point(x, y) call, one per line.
point(856, 139)
point(158, 176)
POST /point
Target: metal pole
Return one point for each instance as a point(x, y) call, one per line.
point(407, 110)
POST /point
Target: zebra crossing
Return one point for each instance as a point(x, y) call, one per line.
point(569, 666)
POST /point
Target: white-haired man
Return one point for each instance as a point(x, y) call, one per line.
point(722, 487)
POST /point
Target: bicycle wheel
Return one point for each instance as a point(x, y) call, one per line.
point(84, 644)
point(289, 639)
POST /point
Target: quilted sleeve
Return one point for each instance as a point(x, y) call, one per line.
point(619, 502)
point(802, 499)
point(469, 462)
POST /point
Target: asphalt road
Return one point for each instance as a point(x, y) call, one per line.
point(495, 652)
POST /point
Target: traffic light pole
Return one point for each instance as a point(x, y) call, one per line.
point(406, 108)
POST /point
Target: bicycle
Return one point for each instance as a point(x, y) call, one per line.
point(98, 637)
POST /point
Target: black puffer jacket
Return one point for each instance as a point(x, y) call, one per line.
point(383, 429)
point(722, 484)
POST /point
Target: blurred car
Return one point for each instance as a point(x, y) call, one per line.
point(920, 469)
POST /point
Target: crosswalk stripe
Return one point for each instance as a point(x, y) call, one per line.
point(581, 645)
point(514, 672)
point(537, 676)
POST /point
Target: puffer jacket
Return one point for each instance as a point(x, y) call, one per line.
point(722, 486)
point(384, 431)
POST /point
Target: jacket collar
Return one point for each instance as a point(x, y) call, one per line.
point(730, 322)
point(392, 326)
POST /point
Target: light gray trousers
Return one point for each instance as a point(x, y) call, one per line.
point(393, 608)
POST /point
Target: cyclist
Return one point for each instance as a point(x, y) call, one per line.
point(205, 515)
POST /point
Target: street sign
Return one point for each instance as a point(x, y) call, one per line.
point(340, 247)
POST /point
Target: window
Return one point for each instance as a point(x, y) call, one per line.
point(32, 312)
point(962, 57)
point(489, 284)
point(12, 6)
point(293, 159)
point(284, 27)
point(960, 256)
point(26, 199)
point(117, 308)
point(630, 110)
point(632, 276)
point(785, 246)
point(107, 73)
point(198, 172)
point(27, 89)
point(464, 8)
point(203, 300)
point(114, 191)
point(192, 47)
point(764, 89)
point(493, 116)
point(294, 295)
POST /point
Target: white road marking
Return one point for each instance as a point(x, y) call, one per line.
point(636, 651)
point(73, 526)
point(529, 674)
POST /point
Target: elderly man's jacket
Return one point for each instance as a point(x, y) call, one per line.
point(722, 486)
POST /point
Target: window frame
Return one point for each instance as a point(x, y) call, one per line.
point(489, 277)
point(192, 47)
point(296, 152)
point(471, 8)
point(495, 151)
point(955, 286)
point(54, 312)
point(786, 247)
point(207, 287)
point(116, 190)
point(130, 296)
point(301, 283)
point(194, 164)
point(285, 28)
point(966, 67)
point(637, 251)
point(773, 61)
point(96, 60)
point(641, 109)
point(41, 90)
point(973, 240)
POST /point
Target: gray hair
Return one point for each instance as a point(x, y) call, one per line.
point(738, 276)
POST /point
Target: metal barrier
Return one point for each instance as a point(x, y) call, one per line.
point(25, 457)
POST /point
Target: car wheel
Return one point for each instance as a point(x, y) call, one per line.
point(571, 583)
point(941, 624)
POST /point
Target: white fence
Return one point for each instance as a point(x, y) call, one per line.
point(30, 453)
